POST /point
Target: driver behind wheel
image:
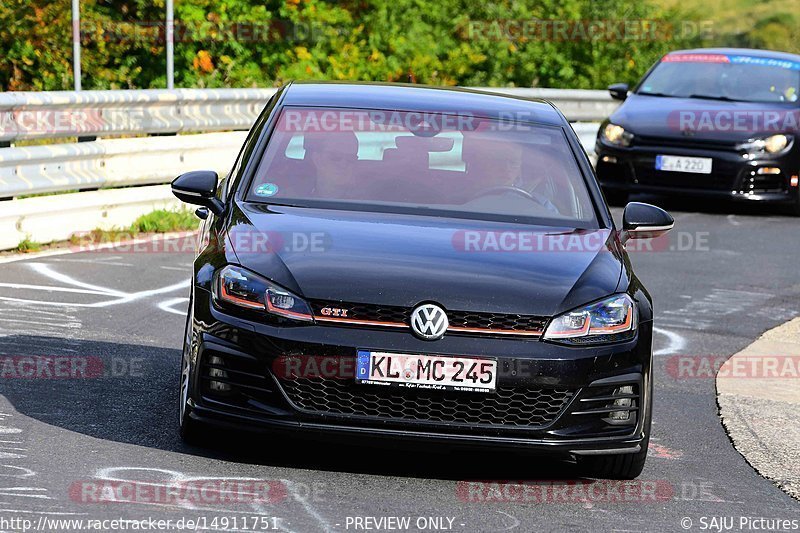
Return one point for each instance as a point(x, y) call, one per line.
point(525, 177)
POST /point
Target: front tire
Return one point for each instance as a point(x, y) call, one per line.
point(190, 430)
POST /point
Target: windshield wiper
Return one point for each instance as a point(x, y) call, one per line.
point(665, 95)
point(712, 97)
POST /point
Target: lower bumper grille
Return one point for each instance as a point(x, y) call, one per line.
point(516, 407)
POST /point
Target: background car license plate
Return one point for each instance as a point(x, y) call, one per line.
point(426, 371)
point(675, 163)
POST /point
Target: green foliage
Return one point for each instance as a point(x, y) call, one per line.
point(162, 221)
point(243, 43)
point(26, 245)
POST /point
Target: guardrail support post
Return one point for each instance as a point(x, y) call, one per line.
point(76, 43)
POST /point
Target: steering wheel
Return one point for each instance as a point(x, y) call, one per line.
point(504, 188)
point(509, 188)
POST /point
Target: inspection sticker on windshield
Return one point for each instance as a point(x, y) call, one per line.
point(267, 189)
point(434, 372)
point(673, 163)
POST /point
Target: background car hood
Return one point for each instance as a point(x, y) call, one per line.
point(402, 260)
point(660, 117)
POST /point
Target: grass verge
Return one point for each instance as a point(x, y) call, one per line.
point(158, 221)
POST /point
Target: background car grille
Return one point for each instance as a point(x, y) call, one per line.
point(458, 319)
point(516, 407)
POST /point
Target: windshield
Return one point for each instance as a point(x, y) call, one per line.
point(427, 163)
point(724, 77)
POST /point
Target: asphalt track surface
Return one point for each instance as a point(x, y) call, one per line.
point(724, 279)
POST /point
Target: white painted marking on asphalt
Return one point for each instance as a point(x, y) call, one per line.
point(512, 526)
point(44, 269)
point(50, 288)
point(172, 478)
point(17, 309)
point(26, 472)
point(95, 262)
point(676, 342)
point(9, 492)
point(166, 305)
point(733, 221)
point(179, 269)
point(121, 297)
point(306, 505)
point(69, 325)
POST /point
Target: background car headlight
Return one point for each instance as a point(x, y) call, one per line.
point(776, 143)
point(613, 134)
point(771, 145)
point(610, 320)
point(243, 288)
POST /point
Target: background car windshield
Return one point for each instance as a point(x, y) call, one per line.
point(423, 162)
point(750, 79)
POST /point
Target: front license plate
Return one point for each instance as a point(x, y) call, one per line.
point(679, 163)
point(426, 371)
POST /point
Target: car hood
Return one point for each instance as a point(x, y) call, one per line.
point(402, 260)
point(709, 120)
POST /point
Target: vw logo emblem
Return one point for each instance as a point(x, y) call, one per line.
point(429, 322)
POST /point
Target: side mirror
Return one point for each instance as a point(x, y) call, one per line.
point(619, 91)
point(644, 221)
point(199, 187)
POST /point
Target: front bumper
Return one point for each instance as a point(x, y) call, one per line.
point(733, 176)
point(564, 390)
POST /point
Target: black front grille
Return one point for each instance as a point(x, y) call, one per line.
point(689, 143)
point(496, 321)
point(723, 176)
point(458, 319)
point(511, 407)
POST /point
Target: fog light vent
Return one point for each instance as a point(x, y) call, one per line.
point(622, 416)
point(214, 385)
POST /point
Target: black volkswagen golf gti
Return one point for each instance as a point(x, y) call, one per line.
point(404, 262)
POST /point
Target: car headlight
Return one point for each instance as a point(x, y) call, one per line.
point(771, 145)
point(776, 143)
point(238, 286)
point(610, 320)
point(616, 135)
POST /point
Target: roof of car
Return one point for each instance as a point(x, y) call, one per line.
point(421, 98)
point(741, 51)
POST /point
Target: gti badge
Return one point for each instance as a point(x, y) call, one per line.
point(333, 311)
point(429, 322)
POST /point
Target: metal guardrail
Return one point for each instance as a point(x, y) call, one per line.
point(43, 115)
point(113, 162)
